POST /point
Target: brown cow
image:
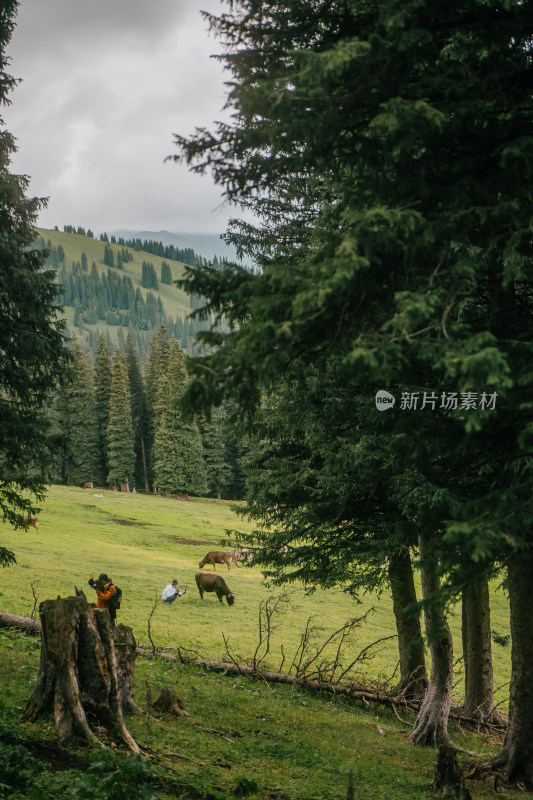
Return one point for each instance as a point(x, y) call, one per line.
point(88, 485)
point(218, 557)
point(207, 582)
point(26, 520)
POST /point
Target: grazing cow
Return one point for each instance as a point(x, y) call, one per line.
point(88, 485)
point(243, 554)
point(218, 557)
point(26, 521)
point(207, 582)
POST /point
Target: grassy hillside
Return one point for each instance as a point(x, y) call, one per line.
point(144, 541)
point(175, 302)
point(243, 737)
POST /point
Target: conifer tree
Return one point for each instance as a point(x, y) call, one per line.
point(219, 472)
point(139, 413)
point(166, 273)
point(103, 395)
point(386, 149)
point(121, 455)
point(80, 422)
point(178, 453)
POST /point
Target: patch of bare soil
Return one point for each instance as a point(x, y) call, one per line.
point(50, 752)
point(181, 540)
point(130, 522)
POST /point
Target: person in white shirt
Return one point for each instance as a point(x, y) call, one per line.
point(170, 592)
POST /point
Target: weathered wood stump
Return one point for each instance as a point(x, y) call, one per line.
point(448, 775)
point(78, 676)
point(126, 651)
point(167, 702)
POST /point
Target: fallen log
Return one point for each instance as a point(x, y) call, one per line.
point(349, 690)
point(25, 624)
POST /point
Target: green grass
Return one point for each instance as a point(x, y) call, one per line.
point(291, 743)
point(133, 538)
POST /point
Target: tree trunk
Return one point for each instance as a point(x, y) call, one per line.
point(145, 471)
point(78, 671)
point(431, 726)
point(516, 758)
point(126, 651)
point(479, 685)
point(413, 676)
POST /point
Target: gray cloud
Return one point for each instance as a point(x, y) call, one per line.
point(105, 85)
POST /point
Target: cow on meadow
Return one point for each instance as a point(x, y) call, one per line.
point(208, 582)
point(218, 557)
point(26, 520)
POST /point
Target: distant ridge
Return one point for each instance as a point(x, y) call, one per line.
point(207, 245)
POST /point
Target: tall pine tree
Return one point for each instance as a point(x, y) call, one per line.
point(121, 454)
point(139, 413)
point(178, 453)
point(80, 422)
point(103, 394)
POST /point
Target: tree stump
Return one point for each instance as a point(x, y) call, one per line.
point(78, 677)
point(448, 775)
point(167, 702)
point(125, 650)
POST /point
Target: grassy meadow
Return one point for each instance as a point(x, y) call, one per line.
point(144, 541)
point(244, 737)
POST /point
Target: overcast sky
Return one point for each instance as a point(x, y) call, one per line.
point(105, 85)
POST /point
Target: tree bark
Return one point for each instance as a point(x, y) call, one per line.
point(145, 471)
point(78, 675)
point(126, 651)
point(516, 757)
point(431, 726)
point(477, 653)
point(413, 676)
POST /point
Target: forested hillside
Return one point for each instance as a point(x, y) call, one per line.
point(116, 419)
point(120, 287)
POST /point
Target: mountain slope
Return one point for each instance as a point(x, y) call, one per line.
point(74, 255)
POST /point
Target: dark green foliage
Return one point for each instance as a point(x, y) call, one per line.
point(386, 149)
point(120, 436)
point(109, 257)
point(17, 769)
point(216, 458)
point(166, 273)
point(177, 451)
point(185, 255)
point(131, 778)
point(139, 412)
point(103, 397)
point(80, 422)
point(149, 277)
point(33, 354)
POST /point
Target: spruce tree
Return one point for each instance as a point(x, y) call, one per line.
point(139, 413)
point(386, 149)
point(103, 396)
point(33, 353)
point(178, 453)
point(166, 273)
point(121, 455)
point(80, 421)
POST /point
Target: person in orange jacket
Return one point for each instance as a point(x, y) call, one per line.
point(105, 589)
